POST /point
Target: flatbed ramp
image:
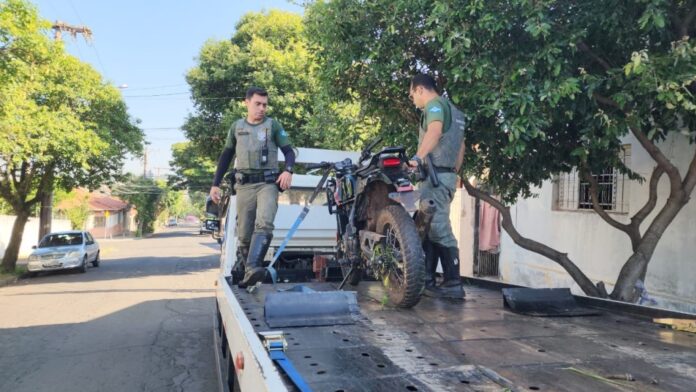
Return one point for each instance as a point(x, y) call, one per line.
point(478, 345)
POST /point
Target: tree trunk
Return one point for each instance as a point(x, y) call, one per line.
point(9, 260)
point(637, 264)
point(46, 214)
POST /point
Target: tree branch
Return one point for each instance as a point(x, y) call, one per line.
point(649, 206)
point(654, 152)
point(606, 101)
point(594, 193)
point(561, 258)
point(690, 178)
point(630, 230)
point(686, 23)
point(585, 48)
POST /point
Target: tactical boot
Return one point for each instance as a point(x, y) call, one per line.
point(254, 265)
point(451, 287)
point(430, 268)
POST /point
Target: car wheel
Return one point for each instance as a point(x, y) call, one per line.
point(95, 263)
point(83, 266)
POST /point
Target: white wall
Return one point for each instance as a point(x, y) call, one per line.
point(31, 233)
point(600, 250)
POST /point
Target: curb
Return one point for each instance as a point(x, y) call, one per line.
point(8, 281)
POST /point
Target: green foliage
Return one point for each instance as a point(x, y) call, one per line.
point(368, 51)
point(58, 118)
point(192, 170)
point(75, 206)
point(548, 85)
point(269, 50)
point(146, 196)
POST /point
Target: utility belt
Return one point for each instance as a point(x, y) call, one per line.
point(443, 169)
point(267, 176)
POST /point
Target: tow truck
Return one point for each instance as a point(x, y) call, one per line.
point(473, 345)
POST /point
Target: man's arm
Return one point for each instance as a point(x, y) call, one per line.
point(223, 164)
point(285, 178)
point(430, 140)
point(283, 141)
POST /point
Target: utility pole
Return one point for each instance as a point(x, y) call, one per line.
point(46, 213)
point(145, 164)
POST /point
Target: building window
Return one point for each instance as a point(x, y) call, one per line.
point(573, 194)
point(99, 221)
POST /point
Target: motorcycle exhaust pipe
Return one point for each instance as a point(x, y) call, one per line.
point(424, 217)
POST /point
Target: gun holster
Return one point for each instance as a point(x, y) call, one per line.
point(231, 179)
point(270, 177)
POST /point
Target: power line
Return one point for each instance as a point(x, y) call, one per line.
point(157, 87)
point(90, 44)
point(154, 95)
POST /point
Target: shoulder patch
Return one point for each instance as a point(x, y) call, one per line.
point(435, 109)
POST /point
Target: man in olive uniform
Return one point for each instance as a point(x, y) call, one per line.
point(441, 135)
point(254, 141)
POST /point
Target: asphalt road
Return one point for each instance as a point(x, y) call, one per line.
point(142, 321)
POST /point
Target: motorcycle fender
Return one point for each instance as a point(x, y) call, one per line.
point(409, 199)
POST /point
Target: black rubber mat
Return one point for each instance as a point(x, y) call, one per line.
point(544, 303)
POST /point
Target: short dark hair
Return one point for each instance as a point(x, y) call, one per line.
point(424, 80)
point(256, 91)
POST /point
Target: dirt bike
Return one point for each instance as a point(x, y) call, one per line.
point(373, 202)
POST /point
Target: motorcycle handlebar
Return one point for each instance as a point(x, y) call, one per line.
point(321, 165)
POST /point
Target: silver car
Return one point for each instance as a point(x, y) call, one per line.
point(64, 250)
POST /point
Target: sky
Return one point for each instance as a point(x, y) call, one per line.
point(149, 45)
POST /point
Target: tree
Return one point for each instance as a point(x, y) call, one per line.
point(75, 205)
point(145, 195)
point(269, 50)
point(549, 86)
point(61, 125)
point(192, 171)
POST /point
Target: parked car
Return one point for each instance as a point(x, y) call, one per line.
point(64, 250)
point(171, 222)
point(205, 229)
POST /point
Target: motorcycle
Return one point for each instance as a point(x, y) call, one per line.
point(377, 235)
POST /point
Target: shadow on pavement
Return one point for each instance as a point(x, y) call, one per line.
point(148, 346)
point(124, 268)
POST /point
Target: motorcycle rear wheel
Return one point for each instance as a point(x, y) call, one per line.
point(401, 246)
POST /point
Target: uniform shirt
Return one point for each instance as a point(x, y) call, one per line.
point(436, 110)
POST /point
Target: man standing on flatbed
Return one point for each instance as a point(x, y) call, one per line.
point(254, 141)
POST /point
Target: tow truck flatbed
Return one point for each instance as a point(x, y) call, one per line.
point(477, 345)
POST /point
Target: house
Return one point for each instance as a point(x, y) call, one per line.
point(561, 217)
point(108, 215)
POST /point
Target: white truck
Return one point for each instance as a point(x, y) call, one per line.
point(436, 346)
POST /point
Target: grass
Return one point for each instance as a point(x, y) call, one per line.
point(19, 271)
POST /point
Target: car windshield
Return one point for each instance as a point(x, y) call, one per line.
point(61, 240)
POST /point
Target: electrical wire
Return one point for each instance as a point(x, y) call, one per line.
point(90, 44)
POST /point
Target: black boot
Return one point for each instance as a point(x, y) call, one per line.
point(430, 268)
point(254, 265)
point(451, 287)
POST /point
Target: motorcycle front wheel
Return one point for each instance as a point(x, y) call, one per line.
point(403, 274)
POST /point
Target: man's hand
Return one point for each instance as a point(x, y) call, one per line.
point(413, 164)
point(284, 180)
point(215, 194)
